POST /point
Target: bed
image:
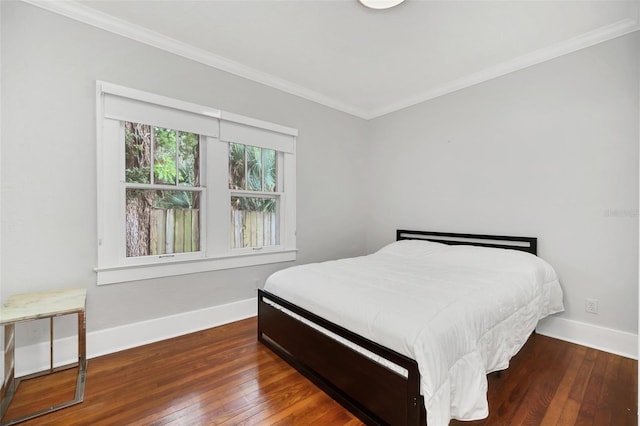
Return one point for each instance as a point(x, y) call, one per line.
point(406, 335)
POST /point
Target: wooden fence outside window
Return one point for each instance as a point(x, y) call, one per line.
point(178, 230)
point(253, 229)
point(174, 231)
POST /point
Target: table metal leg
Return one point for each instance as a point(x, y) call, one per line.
point(82, 356)
point(14, 383)
point(51, 345)
point(9, 382)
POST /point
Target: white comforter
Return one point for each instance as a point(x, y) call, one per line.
point(459, 311)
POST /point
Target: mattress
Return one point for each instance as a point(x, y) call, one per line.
point(459, 311)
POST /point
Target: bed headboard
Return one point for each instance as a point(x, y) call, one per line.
point(528, 244)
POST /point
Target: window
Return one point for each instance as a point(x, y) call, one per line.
point(254, 196)
point(184, 188)
point(162, 190)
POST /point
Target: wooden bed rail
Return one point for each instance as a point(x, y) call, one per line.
point(371, 391)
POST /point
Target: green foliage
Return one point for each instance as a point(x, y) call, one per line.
point(261, 175)
point(254, 168)
point(270, 167)
point(236, 166)
point(259, 204)
point(188, 146)
point(138, 174)
point(137, 161)
point(175, 199)
point(164, 165)
point(165, 171)
point(176, 157)
point(163, 199)
point(167, 146)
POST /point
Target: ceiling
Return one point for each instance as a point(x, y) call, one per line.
point(361, 61)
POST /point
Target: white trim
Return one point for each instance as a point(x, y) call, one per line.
point(152, 98)
point(256, 135)
point(101, 342)
point(601, 338)
point(253, 122)
point(135, 32)
point(130, 272)
point(34, 358)
point(1, 299)
point(638, 305)
point(140, 34)
point(591, 38)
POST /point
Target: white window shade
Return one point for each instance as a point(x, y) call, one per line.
point(231, 131)
point(142, 107)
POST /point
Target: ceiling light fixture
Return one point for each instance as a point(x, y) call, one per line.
point(380, 4)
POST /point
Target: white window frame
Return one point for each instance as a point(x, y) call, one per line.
point(277, 194)
point(117, 104)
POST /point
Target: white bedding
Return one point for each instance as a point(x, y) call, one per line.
point(459, 311)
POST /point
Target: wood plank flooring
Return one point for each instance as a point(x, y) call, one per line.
point(223, 376)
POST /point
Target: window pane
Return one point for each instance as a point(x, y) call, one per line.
point(270, 166)
point(236, 166)
point(188, 159)
point(137, 139)
point(164, 160)
point(254, 222)
point(161, 222)
point(254, 168)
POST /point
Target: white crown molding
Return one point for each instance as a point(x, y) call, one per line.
point(101, 20)
point(600, 35)
point(95, 18)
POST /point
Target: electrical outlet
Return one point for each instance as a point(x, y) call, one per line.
point(591, 306)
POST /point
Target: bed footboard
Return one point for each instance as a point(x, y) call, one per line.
point(373, 392)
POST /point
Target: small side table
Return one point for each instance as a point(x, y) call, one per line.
point(32, 306)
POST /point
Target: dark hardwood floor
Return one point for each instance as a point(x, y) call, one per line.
point(223, 376)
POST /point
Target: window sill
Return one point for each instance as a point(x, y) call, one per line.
point(119, 274)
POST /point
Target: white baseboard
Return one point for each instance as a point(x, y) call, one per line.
point(593, 336)
point(34, 358)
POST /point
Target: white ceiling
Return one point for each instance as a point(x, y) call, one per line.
point(362, 61)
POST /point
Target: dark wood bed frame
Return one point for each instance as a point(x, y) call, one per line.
point(374, 393)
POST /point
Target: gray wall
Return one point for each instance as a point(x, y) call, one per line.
point(550, 151)
point(50, 65)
